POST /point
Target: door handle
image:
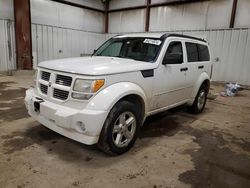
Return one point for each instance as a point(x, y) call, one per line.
point(201, 67)
point(184, 69)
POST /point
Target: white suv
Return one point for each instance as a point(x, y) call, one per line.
point(104, 99)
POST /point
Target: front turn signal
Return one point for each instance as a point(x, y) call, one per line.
point(97, 85)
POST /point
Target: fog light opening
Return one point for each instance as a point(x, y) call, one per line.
point(81, 127)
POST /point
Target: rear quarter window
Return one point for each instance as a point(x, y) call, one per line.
point(203, 52)
point(197, 52)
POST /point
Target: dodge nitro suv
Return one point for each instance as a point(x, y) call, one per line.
point(104, 99)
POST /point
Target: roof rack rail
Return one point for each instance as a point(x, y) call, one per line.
point(166, 35)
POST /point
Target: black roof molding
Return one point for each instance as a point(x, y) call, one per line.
point(166, 35)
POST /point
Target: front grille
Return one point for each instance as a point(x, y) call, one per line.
point(45, 76)
point(55, 85)
point(63, 80)
point(44, 89)
point(60, 94)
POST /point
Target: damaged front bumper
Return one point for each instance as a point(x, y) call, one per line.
point(80, 125)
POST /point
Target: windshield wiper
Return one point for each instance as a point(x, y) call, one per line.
point(120, 56)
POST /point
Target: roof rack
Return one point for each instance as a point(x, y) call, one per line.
point(166, 35)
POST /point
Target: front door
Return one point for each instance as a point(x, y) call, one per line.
point(170, 79)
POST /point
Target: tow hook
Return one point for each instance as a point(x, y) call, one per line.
point(37, 104)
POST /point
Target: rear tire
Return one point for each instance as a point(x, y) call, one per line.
point(120, 129)
point(200, 101)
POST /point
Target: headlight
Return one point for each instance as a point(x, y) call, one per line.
point(84, 86)
point(84, 89)
point(88, 86)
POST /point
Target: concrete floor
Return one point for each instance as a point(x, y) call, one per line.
point(175, 149)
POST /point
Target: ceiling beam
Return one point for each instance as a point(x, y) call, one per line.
point(175, 2)
point(128, 8)
point(78, 5)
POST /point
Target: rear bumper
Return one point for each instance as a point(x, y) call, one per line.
point(80, 125)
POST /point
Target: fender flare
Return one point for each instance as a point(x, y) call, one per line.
point(204, 76)
point(109, 96)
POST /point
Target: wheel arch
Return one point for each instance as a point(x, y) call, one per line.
point(138, 101)
point(206, 83)
point(203, 79)
point(108, 97)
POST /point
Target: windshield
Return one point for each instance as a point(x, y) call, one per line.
point(141, 49)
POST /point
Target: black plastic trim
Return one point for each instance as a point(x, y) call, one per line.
point(148, 73)
point(166, 35)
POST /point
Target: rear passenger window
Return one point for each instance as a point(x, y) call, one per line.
point(197, 52)
point(192, 52)
point(203, 52)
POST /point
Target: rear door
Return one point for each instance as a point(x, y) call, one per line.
point(204, 58)
point(198, 61)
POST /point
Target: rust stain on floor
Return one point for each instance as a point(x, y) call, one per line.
point(12, 103)
point(215, 164)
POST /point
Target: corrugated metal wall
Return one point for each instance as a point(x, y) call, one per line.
point(7, 46)
point(91, 3)
point(7, 37)
point(60, 31)
point(193, 16)
point(242, 17)
point(203, 15)
point(6, 9)
point(60, 15)
point(128, 21)
point(232, 47)
point(50, 42)
point(117, 4)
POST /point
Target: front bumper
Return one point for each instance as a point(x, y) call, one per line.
point(80, 125)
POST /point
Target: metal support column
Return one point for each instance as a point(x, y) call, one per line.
point(23, 34)
point(234, 7)
point(147, 16)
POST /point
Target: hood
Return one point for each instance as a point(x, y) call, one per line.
point(96, 65)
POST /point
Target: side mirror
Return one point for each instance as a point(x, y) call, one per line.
point(172, 59)
point(93, 52)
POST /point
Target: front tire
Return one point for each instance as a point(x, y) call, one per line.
point(200, 101)
point(120, 129)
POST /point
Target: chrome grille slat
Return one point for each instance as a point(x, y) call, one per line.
point(44, 89)
point(63, 80)
point(45, 75)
